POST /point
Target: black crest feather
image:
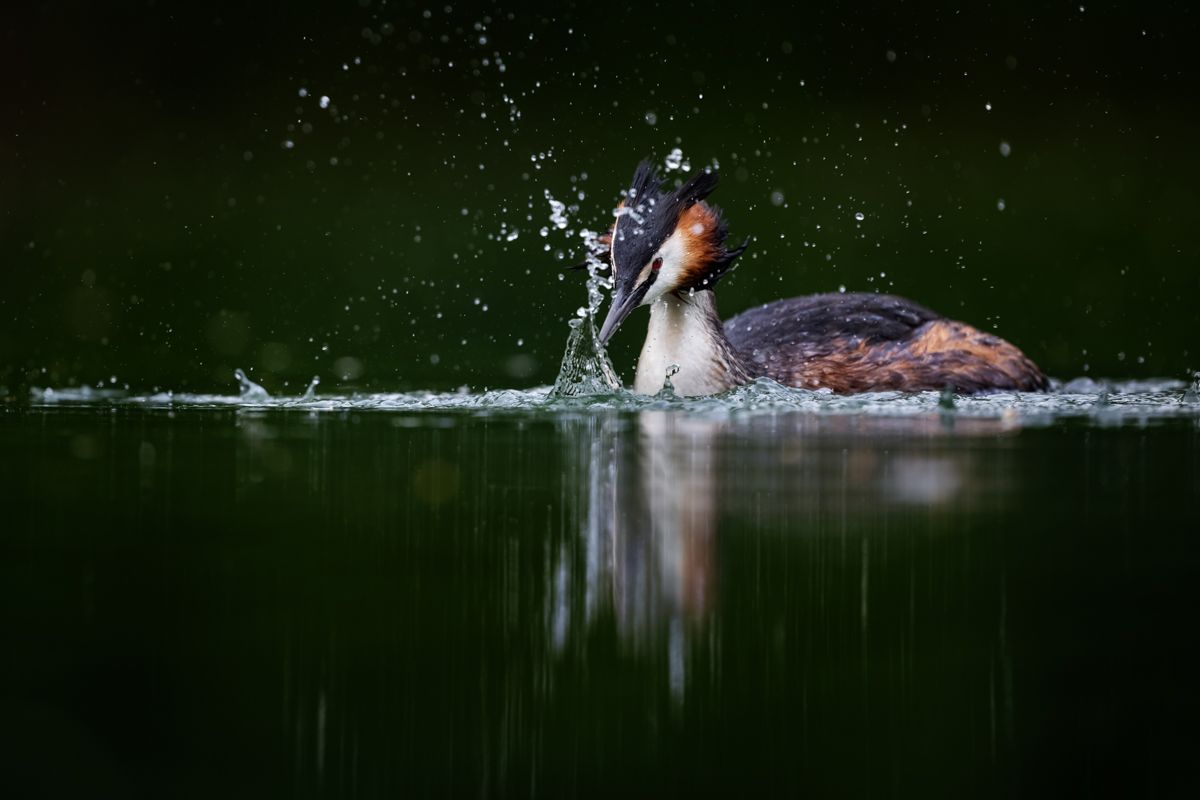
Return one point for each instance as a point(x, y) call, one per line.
point(722, 266)
point(646, 184)
point(650, 214)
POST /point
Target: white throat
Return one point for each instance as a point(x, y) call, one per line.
point(686, 333)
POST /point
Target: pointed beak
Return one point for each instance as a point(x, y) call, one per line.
point(623, 303)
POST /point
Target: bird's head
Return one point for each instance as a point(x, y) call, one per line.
point(664, 241)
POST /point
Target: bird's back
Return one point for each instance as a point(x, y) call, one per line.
point(860, 342)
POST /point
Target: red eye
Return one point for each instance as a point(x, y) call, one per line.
point(657, 265)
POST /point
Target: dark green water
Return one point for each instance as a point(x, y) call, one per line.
point(242, 602)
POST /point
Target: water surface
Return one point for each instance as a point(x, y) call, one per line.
point(502, 594)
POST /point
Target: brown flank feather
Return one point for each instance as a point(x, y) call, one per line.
point(938, 353)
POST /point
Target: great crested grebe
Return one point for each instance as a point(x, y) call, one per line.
point(667, 250)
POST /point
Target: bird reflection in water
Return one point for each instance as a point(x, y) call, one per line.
point(652, 491)
point(648, 529)
point(624, 584)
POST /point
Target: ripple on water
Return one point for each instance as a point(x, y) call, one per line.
point(1102, 403)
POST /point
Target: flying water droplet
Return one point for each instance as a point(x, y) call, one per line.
point(558, 211)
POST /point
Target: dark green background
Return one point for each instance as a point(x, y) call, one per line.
point(154, 229)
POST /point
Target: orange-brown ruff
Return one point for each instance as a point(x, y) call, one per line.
point(667, 250)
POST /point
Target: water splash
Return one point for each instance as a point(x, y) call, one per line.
point(311, 392)
point(586, 368)
point(946, 399)
point(248, 390)
point(1192, 395)
point(667, 392)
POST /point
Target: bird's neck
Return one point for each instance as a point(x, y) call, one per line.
point(686, 332)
